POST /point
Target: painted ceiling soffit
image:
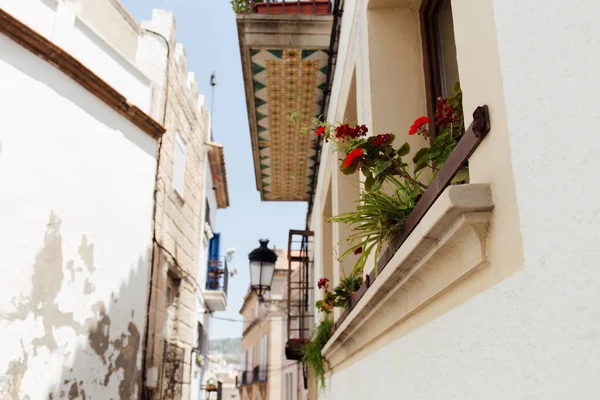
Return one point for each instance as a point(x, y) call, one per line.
point(285, 81)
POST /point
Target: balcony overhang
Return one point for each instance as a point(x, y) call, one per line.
point(284, 61)
point(216, 300)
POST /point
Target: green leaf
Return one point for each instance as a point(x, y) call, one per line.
point(404, 150)
point(377, 184)
point(421, 156)
point(461, 176)
point(415, 192)
point(369, 183)
point(349, 170)
point(457, 87)
point(420, 166)
point(434, 153)
point(381, 166)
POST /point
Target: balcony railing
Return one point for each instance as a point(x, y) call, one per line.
point(314, 7)
point(217, 274)
point(257, 375)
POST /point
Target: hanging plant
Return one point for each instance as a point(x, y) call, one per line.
point(312, 351)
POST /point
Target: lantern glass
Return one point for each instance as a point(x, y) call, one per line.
point(261, 275)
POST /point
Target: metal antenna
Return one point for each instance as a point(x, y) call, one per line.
point(213, 83)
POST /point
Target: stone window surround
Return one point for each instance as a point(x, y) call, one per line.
point(458, 221)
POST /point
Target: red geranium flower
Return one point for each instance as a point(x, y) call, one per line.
point(351, 156)
point(322, 283)
point(358, 250)
point(321, 130)
point(444, 112)
point(417, 126)
point(345, 132)
point(381, 139)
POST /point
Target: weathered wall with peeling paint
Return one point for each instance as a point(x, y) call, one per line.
point(76, 208)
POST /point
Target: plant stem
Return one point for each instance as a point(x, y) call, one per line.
point(400, 171)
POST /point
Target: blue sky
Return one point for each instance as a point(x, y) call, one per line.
point(207, 30)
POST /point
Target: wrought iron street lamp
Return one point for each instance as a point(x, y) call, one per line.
point(262, 267)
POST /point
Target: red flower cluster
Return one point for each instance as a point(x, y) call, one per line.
point(444, 112)
point(322, 283)
point(381, 139)
point(321, 130)
point(351, 156)
point(346, 132)
point(417, 126)
point(358, 250)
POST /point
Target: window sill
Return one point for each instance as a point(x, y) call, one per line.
point(454, 230)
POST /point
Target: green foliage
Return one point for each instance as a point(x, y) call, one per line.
point(242, 6)
point(340, 295)
point(380, 214)
point(450, 131)
point(377, 219)
point(312, 351)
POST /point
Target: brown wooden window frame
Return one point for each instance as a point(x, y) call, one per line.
point(431, 56)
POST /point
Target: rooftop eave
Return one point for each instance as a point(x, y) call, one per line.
point(216, 159)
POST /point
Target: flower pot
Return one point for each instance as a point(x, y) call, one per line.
point(321, 7)
point(294, 349)
point(211, 388)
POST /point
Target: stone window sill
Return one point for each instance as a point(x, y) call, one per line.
point(455, 228)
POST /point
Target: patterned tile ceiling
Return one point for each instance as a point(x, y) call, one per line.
point(285, 81)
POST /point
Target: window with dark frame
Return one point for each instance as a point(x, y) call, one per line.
point(439, 50)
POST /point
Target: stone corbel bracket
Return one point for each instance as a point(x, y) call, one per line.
point(448, 244)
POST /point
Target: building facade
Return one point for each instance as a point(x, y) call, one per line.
point(116, 290)
point(493, 292)
point(190, 277)
point(265, 373)
point(78, 163)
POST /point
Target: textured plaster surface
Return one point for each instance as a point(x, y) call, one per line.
point(76, 211)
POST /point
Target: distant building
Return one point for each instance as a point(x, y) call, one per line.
point(265, 374)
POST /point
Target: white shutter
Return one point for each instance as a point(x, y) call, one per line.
point(243, 361)
point(250, 359)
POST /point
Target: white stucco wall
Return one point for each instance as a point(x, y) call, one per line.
point(536, 334)
point(76, 206)
point(60, 23)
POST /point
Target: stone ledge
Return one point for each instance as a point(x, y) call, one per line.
point(216, 300)
point(453, 230)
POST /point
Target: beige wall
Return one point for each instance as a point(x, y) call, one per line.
point(381, 45)
point(272, 322)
